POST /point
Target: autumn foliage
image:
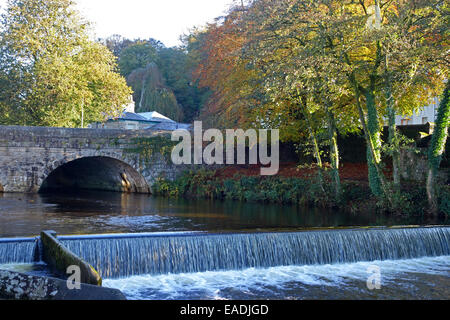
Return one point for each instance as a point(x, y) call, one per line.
point(319, 68)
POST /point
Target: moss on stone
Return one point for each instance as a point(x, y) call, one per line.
point(60, 258)
point(148, 147)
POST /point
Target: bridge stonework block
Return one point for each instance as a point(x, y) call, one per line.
point(31, 157)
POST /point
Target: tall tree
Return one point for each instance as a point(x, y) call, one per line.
point(413, 49)
point(235, 89)
point(136, 56)
point(326, 66)
point(279, 44)
point(437, 148)
point(176, 67)
point(53, 74)
point(116, 44)
point(375, 51)
point(152, 94)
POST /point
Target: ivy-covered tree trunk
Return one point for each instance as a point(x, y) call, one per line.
point(373, 140)
point(334, 153)
point(393, 134)
point(437, 148)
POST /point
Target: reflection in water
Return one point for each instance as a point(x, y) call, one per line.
point(102, 212)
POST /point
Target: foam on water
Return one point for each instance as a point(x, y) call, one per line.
point(400, 279)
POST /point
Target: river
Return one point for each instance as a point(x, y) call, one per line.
point(92, 213)
point(26, 215)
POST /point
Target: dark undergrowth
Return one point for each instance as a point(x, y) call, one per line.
point(356, 196)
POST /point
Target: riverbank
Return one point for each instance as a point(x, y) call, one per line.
point(294, 185)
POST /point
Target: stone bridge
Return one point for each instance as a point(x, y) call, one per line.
point(34, 159)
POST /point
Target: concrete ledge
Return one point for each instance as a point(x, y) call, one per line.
point(59, 258)
point(17, 286)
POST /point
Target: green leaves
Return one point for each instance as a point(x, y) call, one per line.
point(171, 89)
point(54, 75)
point(307, 66)
point(136, 56)
point(152, 94)
point(439, 139)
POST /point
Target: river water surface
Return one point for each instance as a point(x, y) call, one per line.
point(23, 215)
point(26, 215)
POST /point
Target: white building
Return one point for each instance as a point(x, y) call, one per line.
point(129, 120)
point(428, 114)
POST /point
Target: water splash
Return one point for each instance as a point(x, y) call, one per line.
point(424, 278)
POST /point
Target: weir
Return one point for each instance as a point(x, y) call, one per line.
point(17, 250)
point(128, 256)
point(117, 256)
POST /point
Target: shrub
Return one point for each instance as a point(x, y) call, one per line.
point(444, 200)
point(356, 196)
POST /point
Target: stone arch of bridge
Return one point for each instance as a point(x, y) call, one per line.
point(103, 173)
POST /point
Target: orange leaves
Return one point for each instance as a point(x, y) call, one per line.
point(221, 69)
point(218, 49)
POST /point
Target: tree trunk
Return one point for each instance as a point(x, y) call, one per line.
point(141, 101)
point(315, 144)
point(317, 156)
point(437, 148)
point(431, 192)
point(393, 140)
point(334, 153)
point(393, 134)
point(374, 155)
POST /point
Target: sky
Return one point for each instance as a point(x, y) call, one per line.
point(164, 20)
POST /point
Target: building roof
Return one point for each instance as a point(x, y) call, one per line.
point(154, 120)
point(155, 116)
point(152, 117)
point(132, 117)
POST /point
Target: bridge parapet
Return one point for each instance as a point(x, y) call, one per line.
point(70, 137)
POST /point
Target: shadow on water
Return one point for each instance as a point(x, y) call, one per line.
point(93, 212)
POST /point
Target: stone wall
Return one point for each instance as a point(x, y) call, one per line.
point(414, 167)
point(17, 286)
point(28, 155)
